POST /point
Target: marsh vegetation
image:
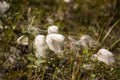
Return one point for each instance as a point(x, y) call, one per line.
point(22, 20)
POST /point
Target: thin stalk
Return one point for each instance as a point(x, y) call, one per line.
point(43, 73)
point(114, 43)
point(101, 33)
point(103, 29)
point(114, 25)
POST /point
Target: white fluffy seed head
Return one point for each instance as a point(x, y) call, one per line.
point(105, 52)
point(87, 42)
point(4, 6)
point(40, 39)
point(55, 42)
point(23, 40)
point(53, 29)
point(105, 56)
point(40, 46)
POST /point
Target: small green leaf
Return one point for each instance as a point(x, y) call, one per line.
point(30, 65)
point(38, 62)
point(31, 57)
point(85, 51)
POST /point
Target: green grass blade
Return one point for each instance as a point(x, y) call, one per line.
point(104, 27)
point(109, 31)
point(114, 43)
point(100, 35)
